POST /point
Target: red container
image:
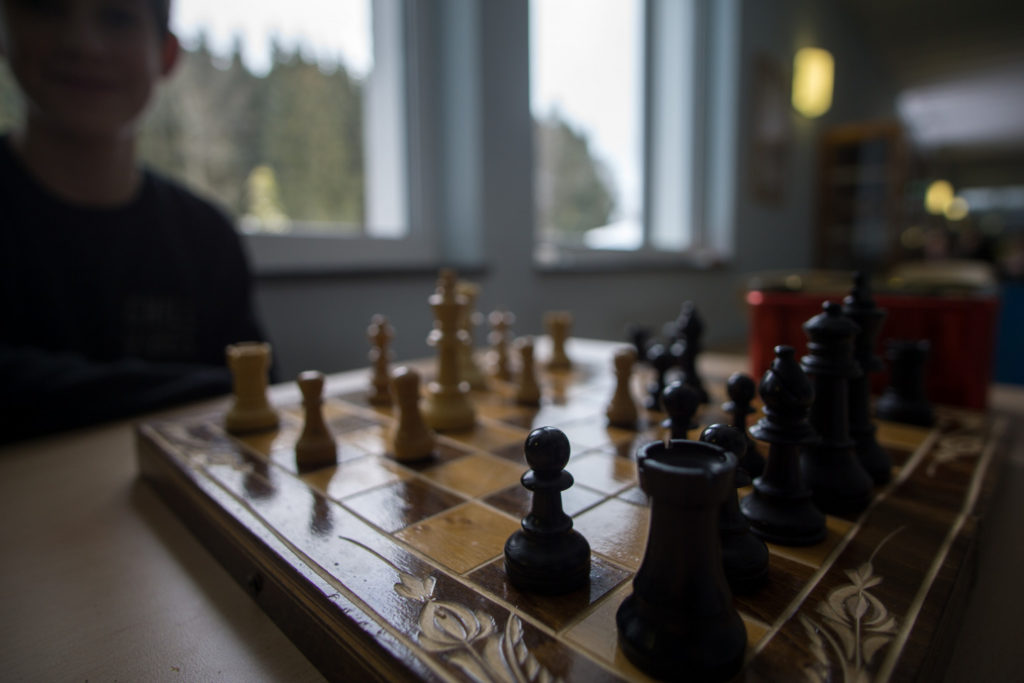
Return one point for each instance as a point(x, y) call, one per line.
point(961, 330)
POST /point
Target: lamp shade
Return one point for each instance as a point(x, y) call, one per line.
point(813, 74)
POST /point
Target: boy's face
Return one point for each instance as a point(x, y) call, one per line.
point(86, 67)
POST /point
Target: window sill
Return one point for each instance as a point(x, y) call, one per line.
point(317, 255)
point(550, 258)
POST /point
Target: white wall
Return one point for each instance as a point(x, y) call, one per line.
point(319, 321)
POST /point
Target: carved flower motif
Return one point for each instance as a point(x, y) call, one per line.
point(447, 625)
point(420, 590)
point(859, 625)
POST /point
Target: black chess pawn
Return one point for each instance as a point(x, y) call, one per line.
point(744, 555)
point(905, 399)
point(680, 619)
point(741, 390)
point(780, 509)
point(690, 330)
point(681, 403)
point(660, 360)
point(861, 309)
point(839, 484)
point(547, 555)
point(640, 337)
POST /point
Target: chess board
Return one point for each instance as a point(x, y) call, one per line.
point(382, 570)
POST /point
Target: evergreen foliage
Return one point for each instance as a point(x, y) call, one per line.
point(574, 189)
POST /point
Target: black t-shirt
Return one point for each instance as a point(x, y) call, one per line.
point(106, 312)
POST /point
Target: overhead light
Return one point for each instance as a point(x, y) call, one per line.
point(938, 196)
point(813, 75)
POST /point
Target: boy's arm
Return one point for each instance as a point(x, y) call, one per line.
point(43, 392)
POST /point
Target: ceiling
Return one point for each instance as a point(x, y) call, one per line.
point(959, 65)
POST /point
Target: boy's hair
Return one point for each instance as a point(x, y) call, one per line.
point(162, 12)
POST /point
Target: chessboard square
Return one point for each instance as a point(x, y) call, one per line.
point(510, 413)
point(475, 475)
point(265, 442)
point(341, 419)
point(513, 452)
point(904, 436)
point(361, 399)
point(617, 530)
point(402, 503)
point(516, 500)
point(599, 636)
point(353, 477)
point(626, 443)
point(756, 630)
point(836, 529)
point(588, 433)
point(462, 538)
point(283, 453)
point(557, 414)
point(634, 495)
point(604, 471)
point(524, 418)
point(786, 579)
point(899, 458)
point(371, 439)
point(444, 451)
point(554, 611)
point(489, 435)
point(499, 395)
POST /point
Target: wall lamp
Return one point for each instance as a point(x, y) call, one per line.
point(813, 76)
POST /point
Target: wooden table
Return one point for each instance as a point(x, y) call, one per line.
point(100, 581)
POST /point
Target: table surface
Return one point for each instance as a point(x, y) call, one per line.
point(100, 581)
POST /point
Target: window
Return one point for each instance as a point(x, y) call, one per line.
point(586, 94)
point(619, 94)
point(294, 117)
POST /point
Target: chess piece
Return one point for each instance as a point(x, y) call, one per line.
point(838, 483)
point(558, 324)
point(780, 509)
point(861, 309)
point(744, 555)
point(547, 555)
point(446, 407)
point(249, 363)
point(680, 619)
point(410, 437)
point(528, 390)
point(905, 399)
point(741, 389)
point(681, 402)
point(380, 335)
point(468, 369)
point(622, 411)
point(659, 359)
point(690, 330)
point(315, 447)
point(640, 337)
point(501, 325)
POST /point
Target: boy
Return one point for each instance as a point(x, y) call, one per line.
point(119, 289)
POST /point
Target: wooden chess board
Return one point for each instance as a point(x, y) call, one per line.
point(377, 569)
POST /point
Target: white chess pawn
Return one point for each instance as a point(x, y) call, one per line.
point(528, 391)
point(410, 437)
point(622, 411)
